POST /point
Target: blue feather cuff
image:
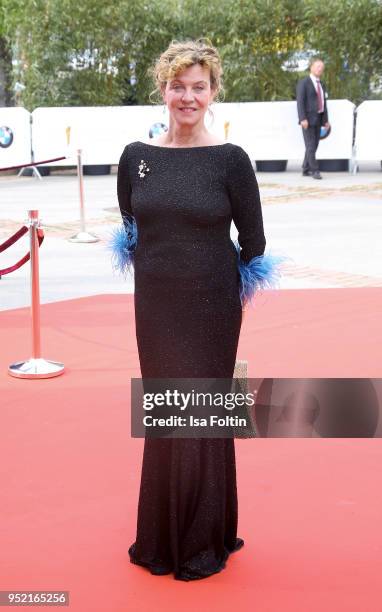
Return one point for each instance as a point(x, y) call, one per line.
point(261, 272)
point(122, 244)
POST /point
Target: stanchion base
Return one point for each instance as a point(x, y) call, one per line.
point(84, 237)
point(36, 368)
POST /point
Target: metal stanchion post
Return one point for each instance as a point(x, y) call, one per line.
point(226, 129)
point(36, 366)
point(353, 165)
point(83, 235)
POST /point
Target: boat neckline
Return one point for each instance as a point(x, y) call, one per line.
point(223, 144)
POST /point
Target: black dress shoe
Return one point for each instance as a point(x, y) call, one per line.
point(306, 173)
point(316, 175)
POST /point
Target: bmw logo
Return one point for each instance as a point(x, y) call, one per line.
point(157, 128)
point(6, 136)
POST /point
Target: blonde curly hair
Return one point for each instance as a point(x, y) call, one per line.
point(179, 55)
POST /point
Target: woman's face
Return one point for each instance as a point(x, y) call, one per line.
point(190, 89)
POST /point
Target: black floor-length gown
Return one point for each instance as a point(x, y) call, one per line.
point(188, 316)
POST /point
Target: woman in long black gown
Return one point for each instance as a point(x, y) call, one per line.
point(177, 204)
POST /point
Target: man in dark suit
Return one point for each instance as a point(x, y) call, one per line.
point(312, 114)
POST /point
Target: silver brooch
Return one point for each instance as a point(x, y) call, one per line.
point(143, 167)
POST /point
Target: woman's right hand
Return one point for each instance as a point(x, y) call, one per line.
point(304, 123)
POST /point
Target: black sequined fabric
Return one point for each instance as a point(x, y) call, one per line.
point(188, 317)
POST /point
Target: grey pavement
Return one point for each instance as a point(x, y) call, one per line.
point(331, 229)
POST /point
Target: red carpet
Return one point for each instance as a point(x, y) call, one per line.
point(309, 509)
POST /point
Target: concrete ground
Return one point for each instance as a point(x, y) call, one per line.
point(331, 230)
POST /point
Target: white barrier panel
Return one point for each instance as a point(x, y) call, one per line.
point(270, 130)
point(101, 132)
point(15, 136)
point(368, 137)
point(266, 130)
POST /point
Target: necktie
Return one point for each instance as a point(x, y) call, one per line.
point(319, 96)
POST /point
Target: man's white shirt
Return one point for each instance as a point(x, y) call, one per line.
point(315, 83)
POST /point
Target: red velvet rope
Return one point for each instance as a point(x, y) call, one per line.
point(23, 230)
point(44, 161)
